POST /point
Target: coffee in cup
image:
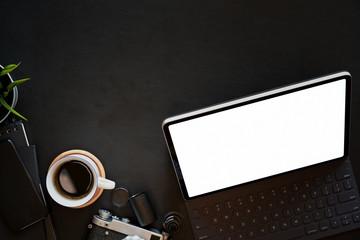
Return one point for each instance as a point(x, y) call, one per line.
point(76, 179)
point(73, 179)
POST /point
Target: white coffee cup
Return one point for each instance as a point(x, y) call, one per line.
point(63, 197)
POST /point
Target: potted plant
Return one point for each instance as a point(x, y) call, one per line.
point(9, 92)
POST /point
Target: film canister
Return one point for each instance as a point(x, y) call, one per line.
point(142, 208)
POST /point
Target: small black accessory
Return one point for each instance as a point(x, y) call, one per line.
point(172, 222)
point(120, 197)
point(142, 208)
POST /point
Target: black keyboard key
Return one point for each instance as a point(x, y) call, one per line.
point(284, 190)
point(337, 187)
point(295, 221)
point(317, 181)
point(259, 207)
point(310, 206)
point(311, 229)
point(254, 221)
point(287, 212)
point(299, 209)
point(321, 203)
point(218, 207)
point(284, 224)
point(270, 204)
point(331, 200)
point(240, 201)
point(335, 222)
point(221, 230)
point(276, 214)
point(206, 210)
point(249, 210)
point(281, 202)
point(356, 217)
point(215, 220)
point(306, 218)
point(205, 234)
point(342, 174)
point(196, 213)
point(231, 227)
point(347, 196)
point(229, 204)
point(201, 223)
point(294, 198)
point(329, 212)
point(315, 193)
point(306, 184)
point(226, 217)
point(251, 233)
point(262, 230)
point(324, 226)
point(274, 227)
point(348, 184)
point(273, 193)
point(304, 196)
point(295, 187)
point(318, 215)
point(250, 198)
point(346, 219)
point(262, 196)
point(325, 190)
point(242, 224)
point(329, 178)
point(237, 213)
point(265, 218)
point(347, 208)
point(229, 237)
point(240, 236)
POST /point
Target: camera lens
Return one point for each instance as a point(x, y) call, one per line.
point(172, 223)
point(173, 227)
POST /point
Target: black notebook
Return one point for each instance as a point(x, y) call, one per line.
point(274, 165)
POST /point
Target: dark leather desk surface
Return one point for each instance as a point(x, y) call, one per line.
point(105, 74)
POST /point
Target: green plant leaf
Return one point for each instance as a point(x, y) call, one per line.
point(14, 84)
point(9, 68)
point(6, 105)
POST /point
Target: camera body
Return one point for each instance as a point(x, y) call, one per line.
point(106, 226)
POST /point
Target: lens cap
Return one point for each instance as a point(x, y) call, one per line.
point(120, 197)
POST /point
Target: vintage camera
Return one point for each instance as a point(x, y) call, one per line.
point(109, 227)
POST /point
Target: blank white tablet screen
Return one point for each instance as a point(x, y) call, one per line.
point(261, 139)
